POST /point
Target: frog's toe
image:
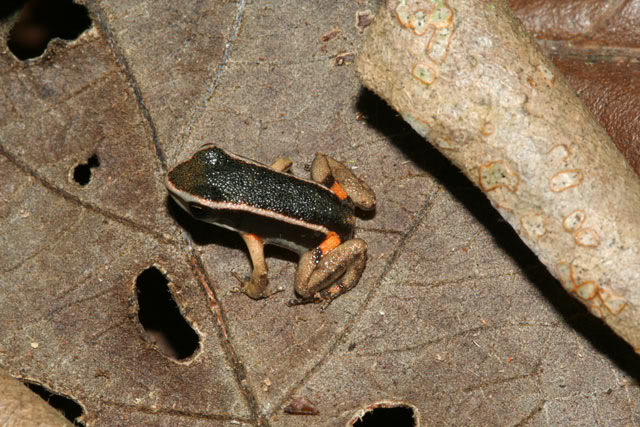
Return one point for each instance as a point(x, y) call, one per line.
point(301, 301)
point(322, 298)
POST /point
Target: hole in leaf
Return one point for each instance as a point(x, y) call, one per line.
point(41, 21)
point(67, 406)
point(399, 416)
point(160, 317)
point(82, 172)
point(9, 7)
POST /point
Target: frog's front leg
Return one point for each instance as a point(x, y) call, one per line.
point(342, 181)
point(282, 164)
point(319, 269)
point(256, 286)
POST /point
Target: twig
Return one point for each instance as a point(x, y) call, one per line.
point(467, 77)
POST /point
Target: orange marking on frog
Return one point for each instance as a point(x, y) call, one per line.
point(339, 191)
point(330, 243)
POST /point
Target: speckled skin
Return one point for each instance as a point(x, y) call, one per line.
point(268, 206)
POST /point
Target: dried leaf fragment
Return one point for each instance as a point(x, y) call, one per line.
point(301, 406)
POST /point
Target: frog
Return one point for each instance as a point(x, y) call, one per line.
point(314, 218)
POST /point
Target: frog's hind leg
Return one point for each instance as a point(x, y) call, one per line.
point(320, 268)
point(256, 286)
point(344, 183)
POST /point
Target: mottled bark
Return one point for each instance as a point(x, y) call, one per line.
point(467, 77)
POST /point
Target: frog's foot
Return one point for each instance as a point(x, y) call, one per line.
point(321, 278)
point(324, 297)
point(339, 178)
point(255, 287)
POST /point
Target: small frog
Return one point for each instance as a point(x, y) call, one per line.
point(268, 205)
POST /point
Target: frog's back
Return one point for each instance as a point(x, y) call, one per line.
point(258, 194)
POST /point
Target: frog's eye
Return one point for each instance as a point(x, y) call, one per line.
point(197, 210)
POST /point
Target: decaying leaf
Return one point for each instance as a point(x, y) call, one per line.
point(454, 315)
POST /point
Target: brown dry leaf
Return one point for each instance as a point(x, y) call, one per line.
point(454, 316)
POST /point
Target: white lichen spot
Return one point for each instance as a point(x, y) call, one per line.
point(498, 175)
point(403, 13)
point(579, 274)
point(546, 74)
point(419, 23)
point(574, 220)
point(586, 237)
point(541, 77)
point(445, 144)
point(438, 47)
point(534, 225)
point(566, 179)
point(559, 153)
point(483, 42)
point(418, 125)
point(563, 272)
point(488, 129)
point(441, 17)
point(511, 99)
point(587, 291)
point(613, 303)
point(595, 307)
point(424, 73)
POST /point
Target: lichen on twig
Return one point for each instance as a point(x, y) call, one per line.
point(467, 77)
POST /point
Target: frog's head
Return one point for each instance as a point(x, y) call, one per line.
point(197, 184)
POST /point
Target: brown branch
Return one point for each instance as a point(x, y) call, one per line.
point(467, 77)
